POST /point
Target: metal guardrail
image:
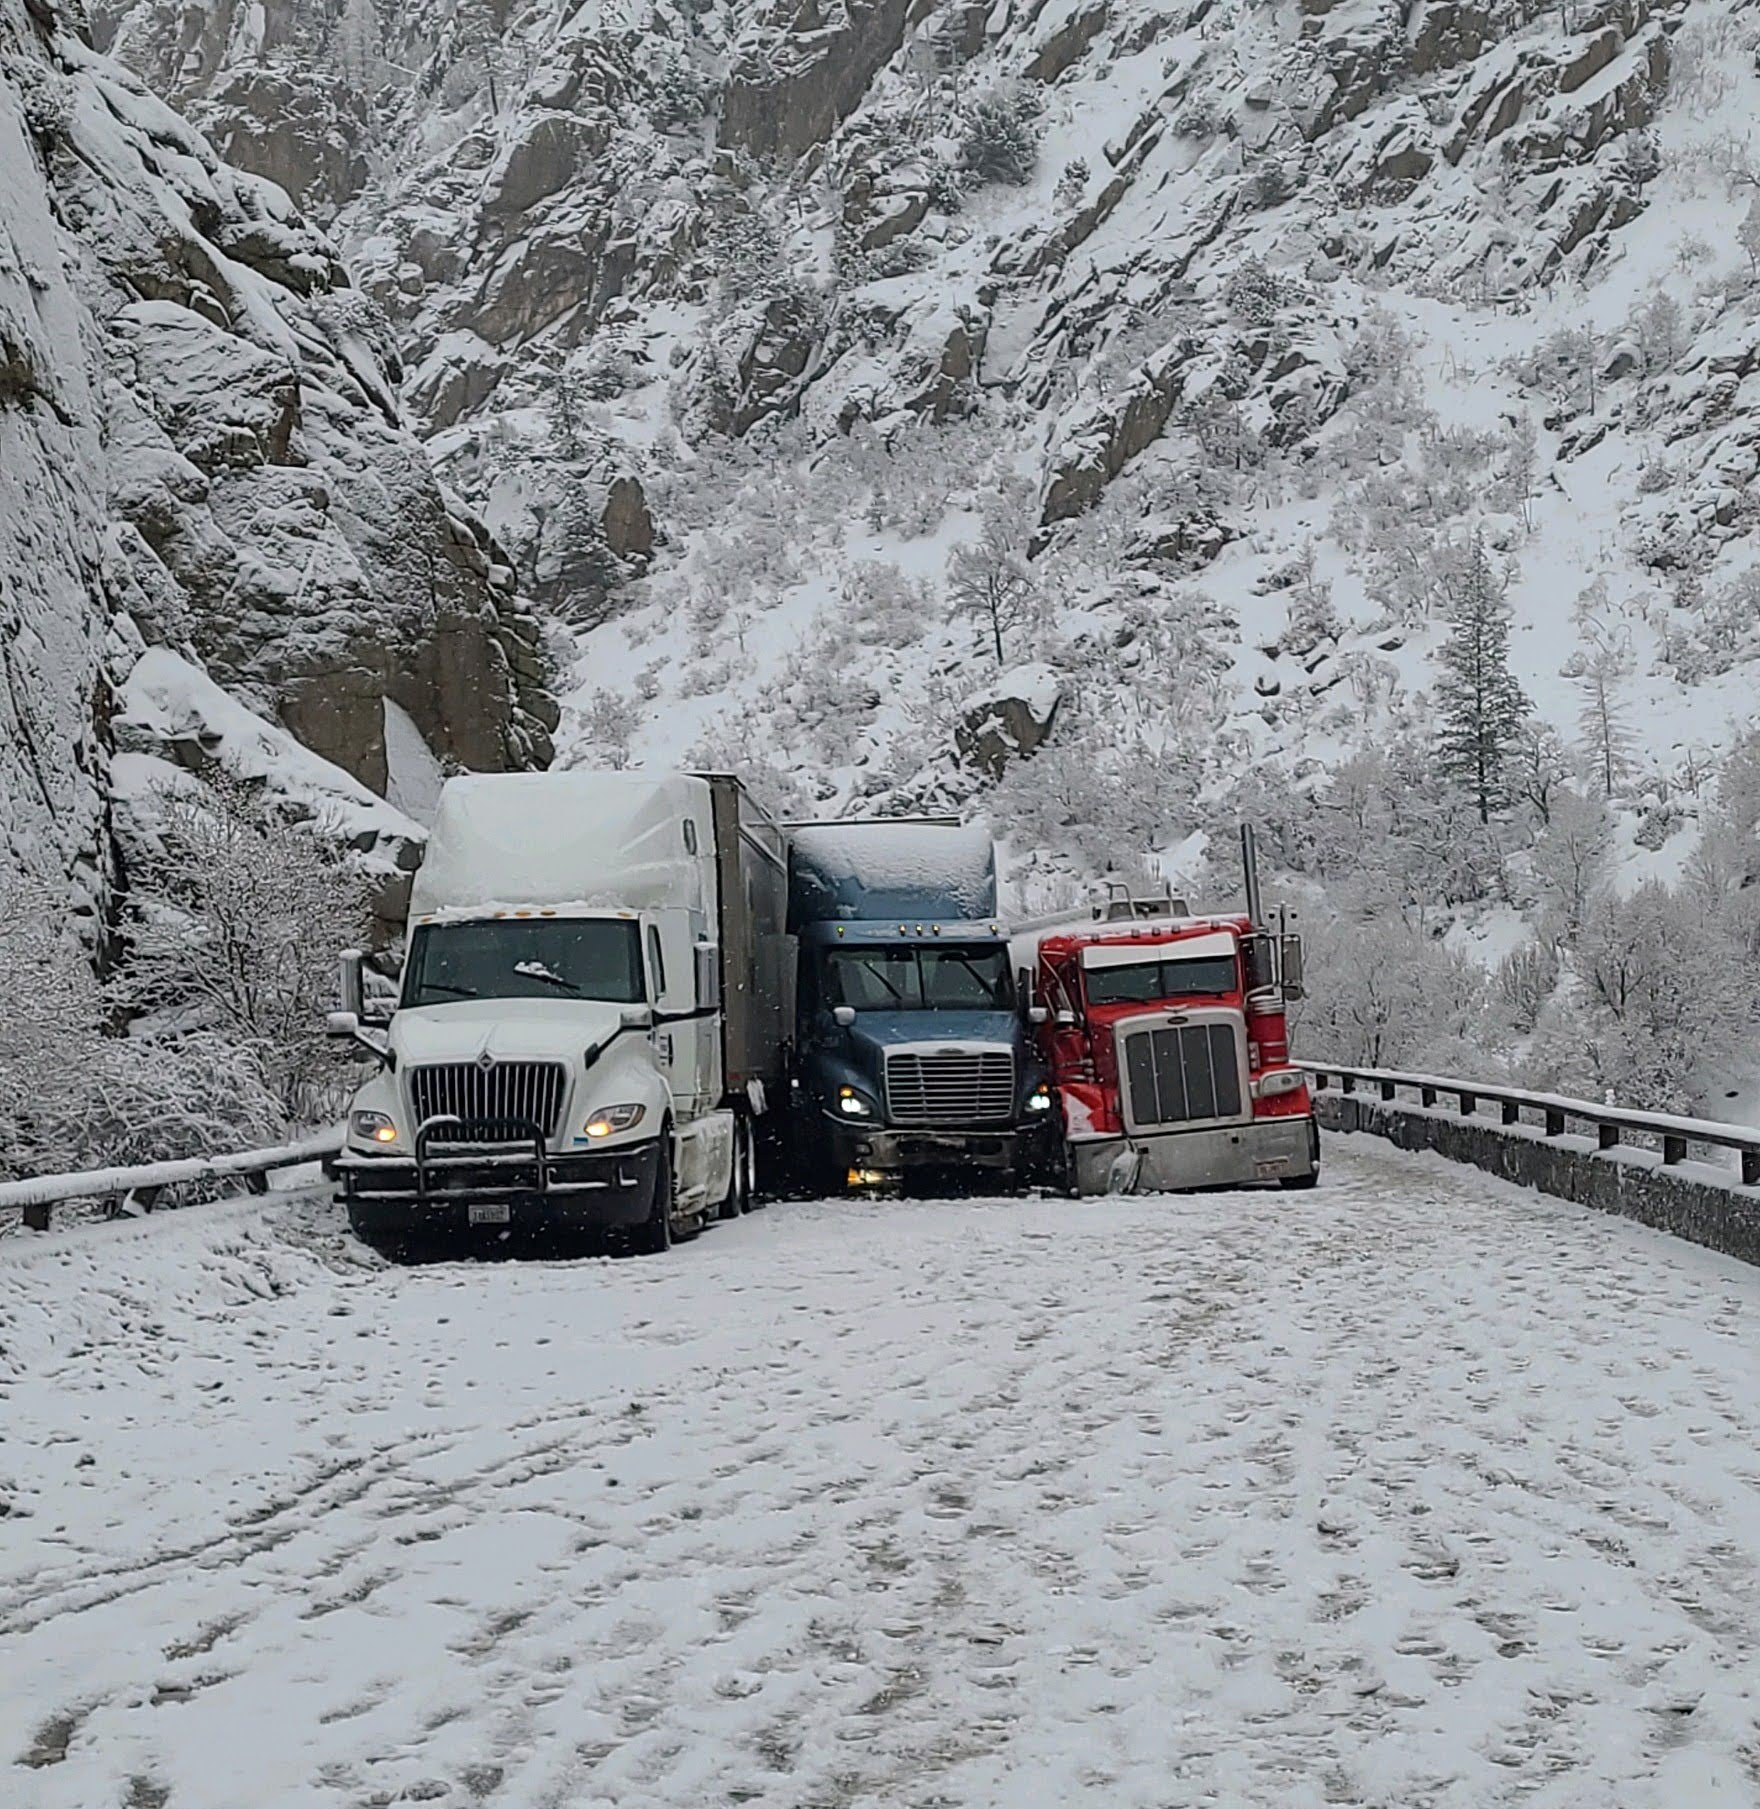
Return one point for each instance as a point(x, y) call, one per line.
point(1551, 1113)
point(140, 1186)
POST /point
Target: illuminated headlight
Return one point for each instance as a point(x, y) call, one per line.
point(852, 1105)
point(371, 1127)
point(615, 1118)
point(1281, 1080)
point(1040, 1100)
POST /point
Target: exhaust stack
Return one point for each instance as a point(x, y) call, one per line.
point(1250, 870)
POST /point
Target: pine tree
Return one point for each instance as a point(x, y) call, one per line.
point(1481, 705)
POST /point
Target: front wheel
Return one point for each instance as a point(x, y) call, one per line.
point(1300, 1183)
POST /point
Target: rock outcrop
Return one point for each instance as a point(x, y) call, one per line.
point(201, 439)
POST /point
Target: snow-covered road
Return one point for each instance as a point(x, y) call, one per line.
point(1410, 1491)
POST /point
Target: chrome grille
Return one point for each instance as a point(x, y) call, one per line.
point(1182, 1073)
point(501, 1095)
point(950, 1086)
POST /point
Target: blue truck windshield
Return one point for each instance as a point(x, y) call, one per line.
point(1143, 982)
point(525, 958)
point(915, 978)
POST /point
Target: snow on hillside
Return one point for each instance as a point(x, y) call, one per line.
point(817, 373)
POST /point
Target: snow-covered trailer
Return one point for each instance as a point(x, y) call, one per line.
point(594, 1009)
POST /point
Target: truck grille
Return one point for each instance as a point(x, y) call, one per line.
point(1182, 1074)
point(500, 1095)
point(949, 1086)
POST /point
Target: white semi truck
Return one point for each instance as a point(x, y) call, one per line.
point(594, 1010)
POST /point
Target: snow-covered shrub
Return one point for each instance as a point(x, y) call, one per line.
point(1001, 140)
point(76, 1094)
point(1256, 295)
point(235, 918)
point(1526, 979)
point(1570, 857)
point(608, 722)
point(1661, 1001)
point(1382, 994)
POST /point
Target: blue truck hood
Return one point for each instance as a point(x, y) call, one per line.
point(888, 1029)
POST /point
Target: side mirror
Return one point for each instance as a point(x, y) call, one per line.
point(1291, 951)
point(353, 990)
point(708, 962)
point(347, 1024)
point(635, 1017)
point(1037, 1014)
point(844, 1015)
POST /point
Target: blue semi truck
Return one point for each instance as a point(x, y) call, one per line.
point(912, 1047)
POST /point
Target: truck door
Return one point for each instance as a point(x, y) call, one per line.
point(687, 1045)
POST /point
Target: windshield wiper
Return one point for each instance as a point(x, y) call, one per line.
point(536, 970)
point(987, 984)
point(446, 986)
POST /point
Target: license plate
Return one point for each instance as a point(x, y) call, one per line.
point(490, 1212)
point(1270, 1170)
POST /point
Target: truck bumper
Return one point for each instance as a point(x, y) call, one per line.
point(892, 1152)
point(1273, 1149)
point(389, 1196)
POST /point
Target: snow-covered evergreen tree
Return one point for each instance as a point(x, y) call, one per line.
point(1481, 707)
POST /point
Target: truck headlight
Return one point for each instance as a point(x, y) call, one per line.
point(371, 1127)
point(852, 1105)
point(616, 1118)
point(1039, 1100)
point(1280, 1080)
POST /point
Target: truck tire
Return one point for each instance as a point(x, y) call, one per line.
point(745, 1168)
point(654, 1236)
point(738, 1177)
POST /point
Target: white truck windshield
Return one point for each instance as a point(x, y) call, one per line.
point(1141, 983)
point(919, 979)
point(525, 958)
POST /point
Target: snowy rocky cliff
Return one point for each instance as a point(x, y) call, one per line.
point(738, 318)
point(1099, 411)
point(203, 453)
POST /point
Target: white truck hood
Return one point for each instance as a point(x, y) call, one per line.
point(507, 1029)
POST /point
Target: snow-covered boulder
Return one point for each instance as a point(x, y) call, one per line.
point(1010, 719)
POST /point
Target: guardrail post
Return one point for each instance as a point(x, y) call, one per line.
point(1512, 1113)
point(1427, 1096)
point(1469, 1105)
point(257, 1182)
point(1674, 1149)
point(36, 1218)
point(1751, 1168)
point(1554, 1122)
point(1607, 1135)
point(1389, 1089)
point(1347, 1083)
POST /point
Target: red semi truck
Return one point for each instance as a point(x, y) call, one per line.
point(1167, 1039)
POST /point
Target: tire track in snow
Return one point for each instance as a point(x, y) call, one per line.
point(1413, 1491)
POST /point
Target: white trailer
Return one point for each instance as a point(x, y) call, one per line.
point(593, 1011)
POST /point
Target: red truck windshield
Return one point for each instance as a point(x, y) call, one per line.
point(1141, 983)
